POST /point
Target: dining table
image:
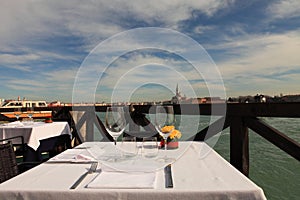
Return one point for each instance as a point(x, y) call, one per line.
point(196, 171)
point(34, 134)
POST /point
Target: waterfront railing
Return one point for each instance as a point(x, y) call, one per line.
point(239, 118)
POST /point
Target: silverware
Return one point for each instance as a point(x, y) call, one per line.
point(168, 176)
point(90, 171)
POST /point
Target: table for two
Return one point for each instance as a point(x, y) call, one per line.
point(198, 173)
point(38, 136)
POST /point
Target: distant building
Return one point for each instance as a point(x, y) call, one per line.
point(290, 98)
point(207, 100)
point(178, 98)
point(182, 99)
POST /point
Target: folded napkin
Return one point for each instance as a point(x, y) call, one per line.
point(73, 155)
point(123, 180)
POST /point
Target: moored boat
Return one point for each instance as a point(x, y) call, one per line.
point(25, 108)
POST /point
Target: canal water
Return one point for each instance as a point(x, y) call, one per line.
point(277, 173)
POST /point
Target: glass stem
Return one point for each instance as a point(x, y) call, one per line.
point(165, 144)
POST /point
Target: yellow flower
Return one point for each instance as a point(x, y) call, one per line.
point(175, 134)
point(167, 129)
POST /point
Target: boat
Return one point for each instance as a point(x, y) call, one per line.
point(23, 104)
point(25, 109)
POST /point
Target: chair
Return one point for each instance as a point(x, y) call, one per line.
point(53, 146)
point(8, 162)
point(9, 152)
point(19, 146)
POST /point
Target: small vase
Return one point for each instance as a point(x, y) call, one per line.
point(48, 120)
point(171, 144)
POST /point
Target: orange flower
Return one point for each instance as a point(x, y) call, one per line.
point(167, 129)
point(175, 134)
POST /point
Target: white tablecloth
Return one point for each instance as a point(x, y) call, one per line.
point(34, 133)
point(196, 175)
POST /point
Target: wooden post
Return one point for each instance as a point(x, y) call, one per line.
point(90, 116)
point(239, 145)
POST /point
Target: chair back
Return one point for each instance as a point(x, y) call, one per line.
point(8, 163)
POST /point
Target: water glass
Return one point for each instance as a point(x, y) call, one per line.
point(129, 146)
point(149, 147)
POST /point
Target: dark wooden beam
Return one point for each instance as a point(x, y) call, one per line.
point(274, 136)
point(100, 126)
point(239, 145)
point(213, 129)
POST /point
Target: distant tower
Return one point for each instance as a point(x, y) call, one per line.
point(177, 98)
point(177, 91)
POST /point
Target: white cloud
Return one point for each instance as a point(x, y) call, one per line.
point(285, 9)
point(92, 20)
point(264, 51)
point(250, 59)
point(17, 59)
point(60, 77)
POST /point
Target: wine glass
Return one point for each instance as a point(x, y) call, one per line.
point(30, 112)
point(115, 122)
point(17, 113)
point(164, 123)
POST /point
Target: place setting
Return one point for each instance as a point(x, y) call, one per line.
point(125, 162)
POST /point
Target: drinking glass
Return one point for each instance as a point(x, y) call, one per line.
point(17, 113)
point(149, 147)
point(129, 146)
point(30, 112)
point(115, 122)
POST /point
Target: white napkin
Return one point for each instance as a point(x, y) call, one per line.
point(73, 155)
point(124, 180)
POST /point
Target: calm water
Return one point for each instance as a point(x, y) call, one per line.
point(271, 168)
point(277, 173)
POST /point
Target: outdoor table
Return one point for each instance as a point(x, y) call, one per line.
point(199, 173)
point(34, 134)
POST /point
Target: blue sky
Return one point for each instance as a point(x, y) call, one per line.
point(255, 45)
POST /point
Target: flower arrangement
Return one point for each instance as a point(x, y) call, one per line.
point(172, 141)
point(48, 120)
point(175, 134)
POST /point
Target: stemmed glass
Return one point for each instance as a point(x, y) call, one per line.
point(115, 122)
point(30, 112)
point(17, 112)
point(164, 122)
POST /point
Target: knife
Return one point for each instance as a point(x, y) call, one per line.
point(168, 177)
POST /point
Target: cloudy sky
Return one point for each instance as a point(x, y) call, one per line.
point(255, 46)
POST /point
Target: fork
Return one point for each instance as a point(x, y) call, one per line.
point(91, 170)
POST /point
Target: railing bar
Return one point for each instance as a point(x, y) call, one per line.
point(100, 126)
point(275, 137)
point(81, 121)
point(213, 129)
